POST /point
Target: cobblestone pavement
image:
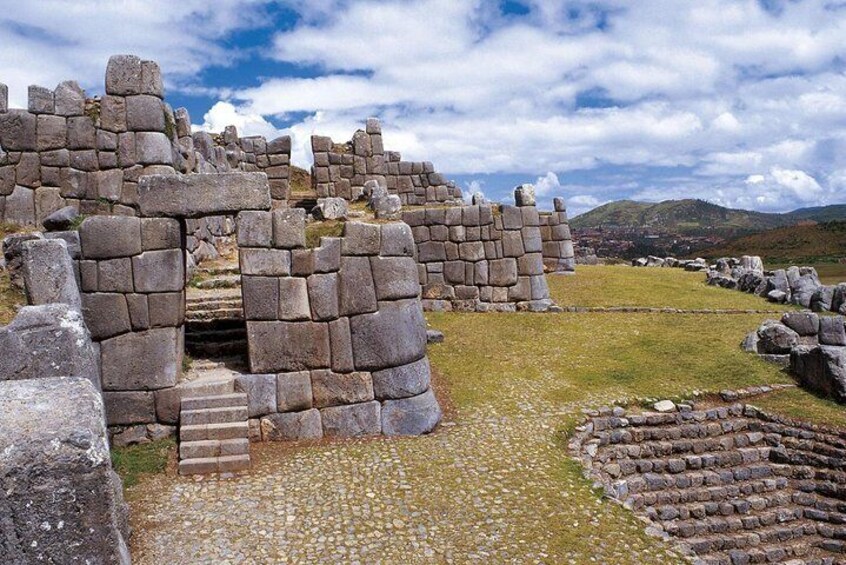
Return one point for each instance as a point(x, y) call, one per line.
point(483, 489)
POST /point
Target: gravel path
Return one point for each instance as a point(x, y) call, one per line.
point(483, 489)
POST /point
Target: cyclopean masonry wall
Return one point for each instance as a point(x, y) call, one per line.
point(341, 169)
point(337, 339)
point(88, 153)
point(558, 253)
point(473, 258)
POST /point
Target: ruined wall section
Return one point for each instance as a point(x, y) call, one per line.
point(341, 170)
point(558, 253)
point(337, 339)
point(476, 258)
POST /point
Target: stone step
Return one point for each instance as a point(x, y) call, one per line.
point(649, 482)
point(215, 314)
point(732, 524)
point(806, 551)
point(196, 296)
point(229, 414)
point(692, 496)
point(746, 540)
point(652, 434)
point(236, 399)
point(725, 506)
point(693, 462)
point(220, 270)
point(193, 335)
point(202, 306)
point(229, 430)
point(218, 349)
point(224, 281)
point(207, 387)
point(224, 464)
point(207, 448)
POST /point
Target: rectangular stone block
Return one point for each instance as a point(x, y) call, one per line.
point(115, 275)
point(293, 299)
point(260, 391)
point(159, 271)
point(255, 228)
point(18, 131)
point(106, 315)
point(503, 272)
point(341, 345)
point(289, 228)
point(279, 347)
point(323, 296)
point(357, 289)
point(394, 335)
point(139, 312)
point(106, 237)
point(160, 233)
point(167, 309)
point(293, 391)
point(327, 257)
point(197, 195)
point(292, 426)
point(128, 408)
point(265, 262)
point(335, 389)
point(261, 297)
point(361, 239)
point(353, 420)
point(395, 277)
point(147, 360)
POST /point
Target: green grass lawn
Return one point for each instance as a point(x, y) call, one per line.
point(621, 285)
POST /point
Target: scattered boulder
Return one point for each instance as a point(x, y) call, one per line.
point(524, 195)
point(387, 207)
point(803, 323)
point(822, 299)
point(776, 338)
point(821, 369)
point(777, 296)
point(434, 336)
point(664, 406)
point(61, 220)
point(411, 416)
point(478, 199)
point(832, 331)
point(330, 209)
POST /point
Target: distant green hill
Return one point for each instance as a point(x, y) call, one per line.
point(697, 217)
point(801, 244)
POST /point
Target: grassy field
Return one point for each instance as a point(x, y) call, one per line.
point(11, 299)
point(621, 285)
point(801, 244)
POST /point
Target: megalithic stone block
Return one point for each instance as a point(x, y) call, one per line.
point(48, 273)
point(62, 501)
point(197, 195)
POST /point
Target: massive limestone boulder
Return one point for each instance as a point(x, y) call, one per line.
point(822, 369)
point(48, 273)
point(775, 338)
point(61, 501)
point(48, 341)
point(803, 289)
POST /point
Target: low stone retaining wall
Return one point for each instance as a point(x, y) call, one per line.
point(730, 484)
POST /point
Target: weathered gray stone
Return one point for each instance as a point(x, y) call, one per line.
point(160, 233)
point(395, 277)
point(151, 79)
point(260, 391)
point(289, 228)
point(524, 195)
point(397, 240)
point(357, 289)
point(145, 113)
point(265, 262)
point(334, 389)
point(126, 408)
point(166, 309)
point(41, 100)
point(388, 207)
point(403, 381)
point(20, 206)
point(106, 237)
point(292, 426)
point(280, 347)
point(71, 239)
point(142, 361)
point(47, 341)
point(776, 338)
point(327, 257)
point(52, 132)
point(159, 271)
point(115, 275)
point(832, 331)
point(255, 229)
point(503, 272)
point(411, 416)
point(821, 369)
point(293, 299)
point(330, 209)
point(323, 296)
point(139, 311)
point(293, 391)
point(822, 299)
point(153, 148)
point(261, 297)
point(18, 131)
point(62, 501)
point(341, 342)
point(48, 273)
point(106, 315)
point(353, 420)
point(361, 239)
point(803, 290)
point(70, 99)
point(61, 220)
point(394, 335)
point(803, 323)
point(123, 75)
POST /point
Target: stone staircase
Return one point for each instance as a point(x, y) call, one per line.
point(214, 323)
point(727, 483)
point(213, 425)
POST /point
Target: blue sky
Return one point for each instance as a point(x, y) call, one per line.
point(739, 102)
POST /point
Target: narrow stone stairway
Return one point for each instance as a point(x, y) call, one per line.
point(214, 434)
point(214, 323)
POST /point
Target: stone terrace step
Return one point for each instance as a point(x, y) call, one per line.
point(236, 399)
point(746, 540)
point(217, 348)
point(229, 430)
point(213, 304)
point(224, 464)
point(805, 551)
point(214, 314)
point(724, 506)
point(223, 281)
point(206, 448)
point(224, 415)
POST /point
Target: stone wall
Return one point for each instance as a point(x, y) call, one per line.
point(342, 169)
point(478, 258)
point(67, 149)
point(131, 274)
point(558, 253)
point(337, 339)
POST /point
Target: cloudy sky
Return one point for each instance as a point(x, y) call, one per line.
point(739, 102)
